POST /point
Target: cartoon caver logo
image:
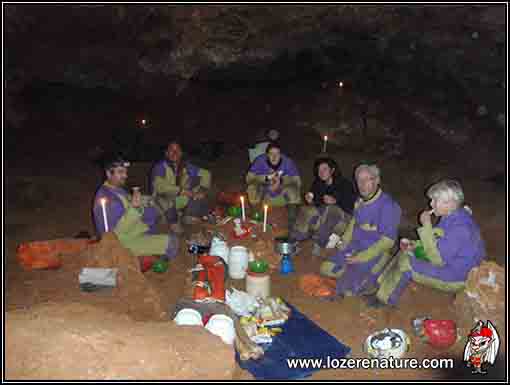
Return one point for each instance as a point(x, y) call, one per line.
point(482, 346)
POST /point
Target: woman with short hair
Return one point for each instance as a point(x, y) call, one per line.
point(452, 248)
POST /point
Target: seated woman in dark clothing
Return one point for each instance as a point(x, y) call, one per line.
point(329, 205)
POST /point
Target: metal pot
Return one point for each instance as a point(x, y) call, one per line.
point(285, 247)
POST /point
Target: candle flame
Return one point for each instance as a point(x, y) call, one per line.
point(102, 200)
point(144, 121)
point(325, 137)
point(340, 84)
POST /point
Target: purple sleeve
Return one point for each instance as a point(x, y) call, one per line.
point(192, 170)
point(456, 248)
point(259, 167)
point(290, 168)
point(389, 219)
point(114, 211)
point(158, 170)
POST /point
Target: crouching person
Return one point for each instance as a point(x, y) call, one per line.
point(273, 178)
point(452, 248)
point(180, 188)
point(368, 239)
point(133, 224)
point(329, 206)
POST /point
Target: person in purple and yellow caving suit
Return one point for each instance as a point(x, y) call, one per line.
point(369, 238)
point(452, 248)
point(180, 188)
point(133, 223)
point(274, 179)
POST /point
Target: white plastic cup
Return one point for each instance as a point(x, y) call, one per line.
point(222, 326)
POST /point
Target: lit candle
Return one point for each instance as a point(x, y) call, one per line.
point(242, 209)
point(143, 122)
point(265, 218)
point(103, 204)
point(340, 84)
point(325, 143)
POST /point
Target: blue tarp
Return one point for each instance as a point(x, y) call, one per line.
point(301, 338)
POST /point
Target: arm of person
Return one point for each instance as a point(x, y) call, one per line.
point(347, 235)
point(205, 181)
point(288, 180)
point(345, 195)
point(161, 184)
point(387, 230)
point(446, 247)
point(114, 212)
point(252, 178)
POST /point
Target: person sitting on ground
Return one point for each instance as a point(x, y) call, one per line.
point(453, 248)
point(329, 205)
point(273, 178)
point(133, 224)
point(180, 188)
point(368, 239)
point(260, 147)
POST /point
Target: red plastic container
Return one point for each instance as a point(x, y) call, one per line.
point(440, 333)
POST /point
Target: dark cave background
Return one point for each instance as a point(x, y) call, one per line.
point(409, 70)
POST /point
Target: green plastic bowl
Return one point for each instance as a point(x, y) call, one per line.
point(160, 266)
point(258, 266)
point(419, 252)
point(257, 216)
point(234, 211)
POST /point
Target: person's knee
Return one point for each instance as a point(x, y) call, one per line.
point(326, 269)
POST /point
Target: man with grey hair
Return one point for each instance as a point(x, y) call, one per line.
point(450, 250)
point(368, 239)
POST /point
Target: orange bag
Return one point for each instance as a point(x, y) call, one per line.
point(317, 286)
point(47, 254)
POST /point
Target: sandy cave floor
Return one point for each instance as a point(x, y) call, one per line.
point(51, 199)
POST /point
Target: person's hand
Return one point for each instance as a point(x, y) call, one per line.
point(136, 200)
point(352, 259)
point(425, 217)
point(329, 200)
point(309, 197)
point(275, 184)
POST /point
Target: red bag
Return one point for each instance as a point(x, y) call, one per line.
point(210, 282)
point(146, 262)
point(228, 198)
point(440, 333)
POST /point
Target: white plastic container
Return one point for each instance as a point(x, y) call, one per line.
point(188, 317)
point(258, 284)
point(222, 326)
point(238, 262)
point(220, 249)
